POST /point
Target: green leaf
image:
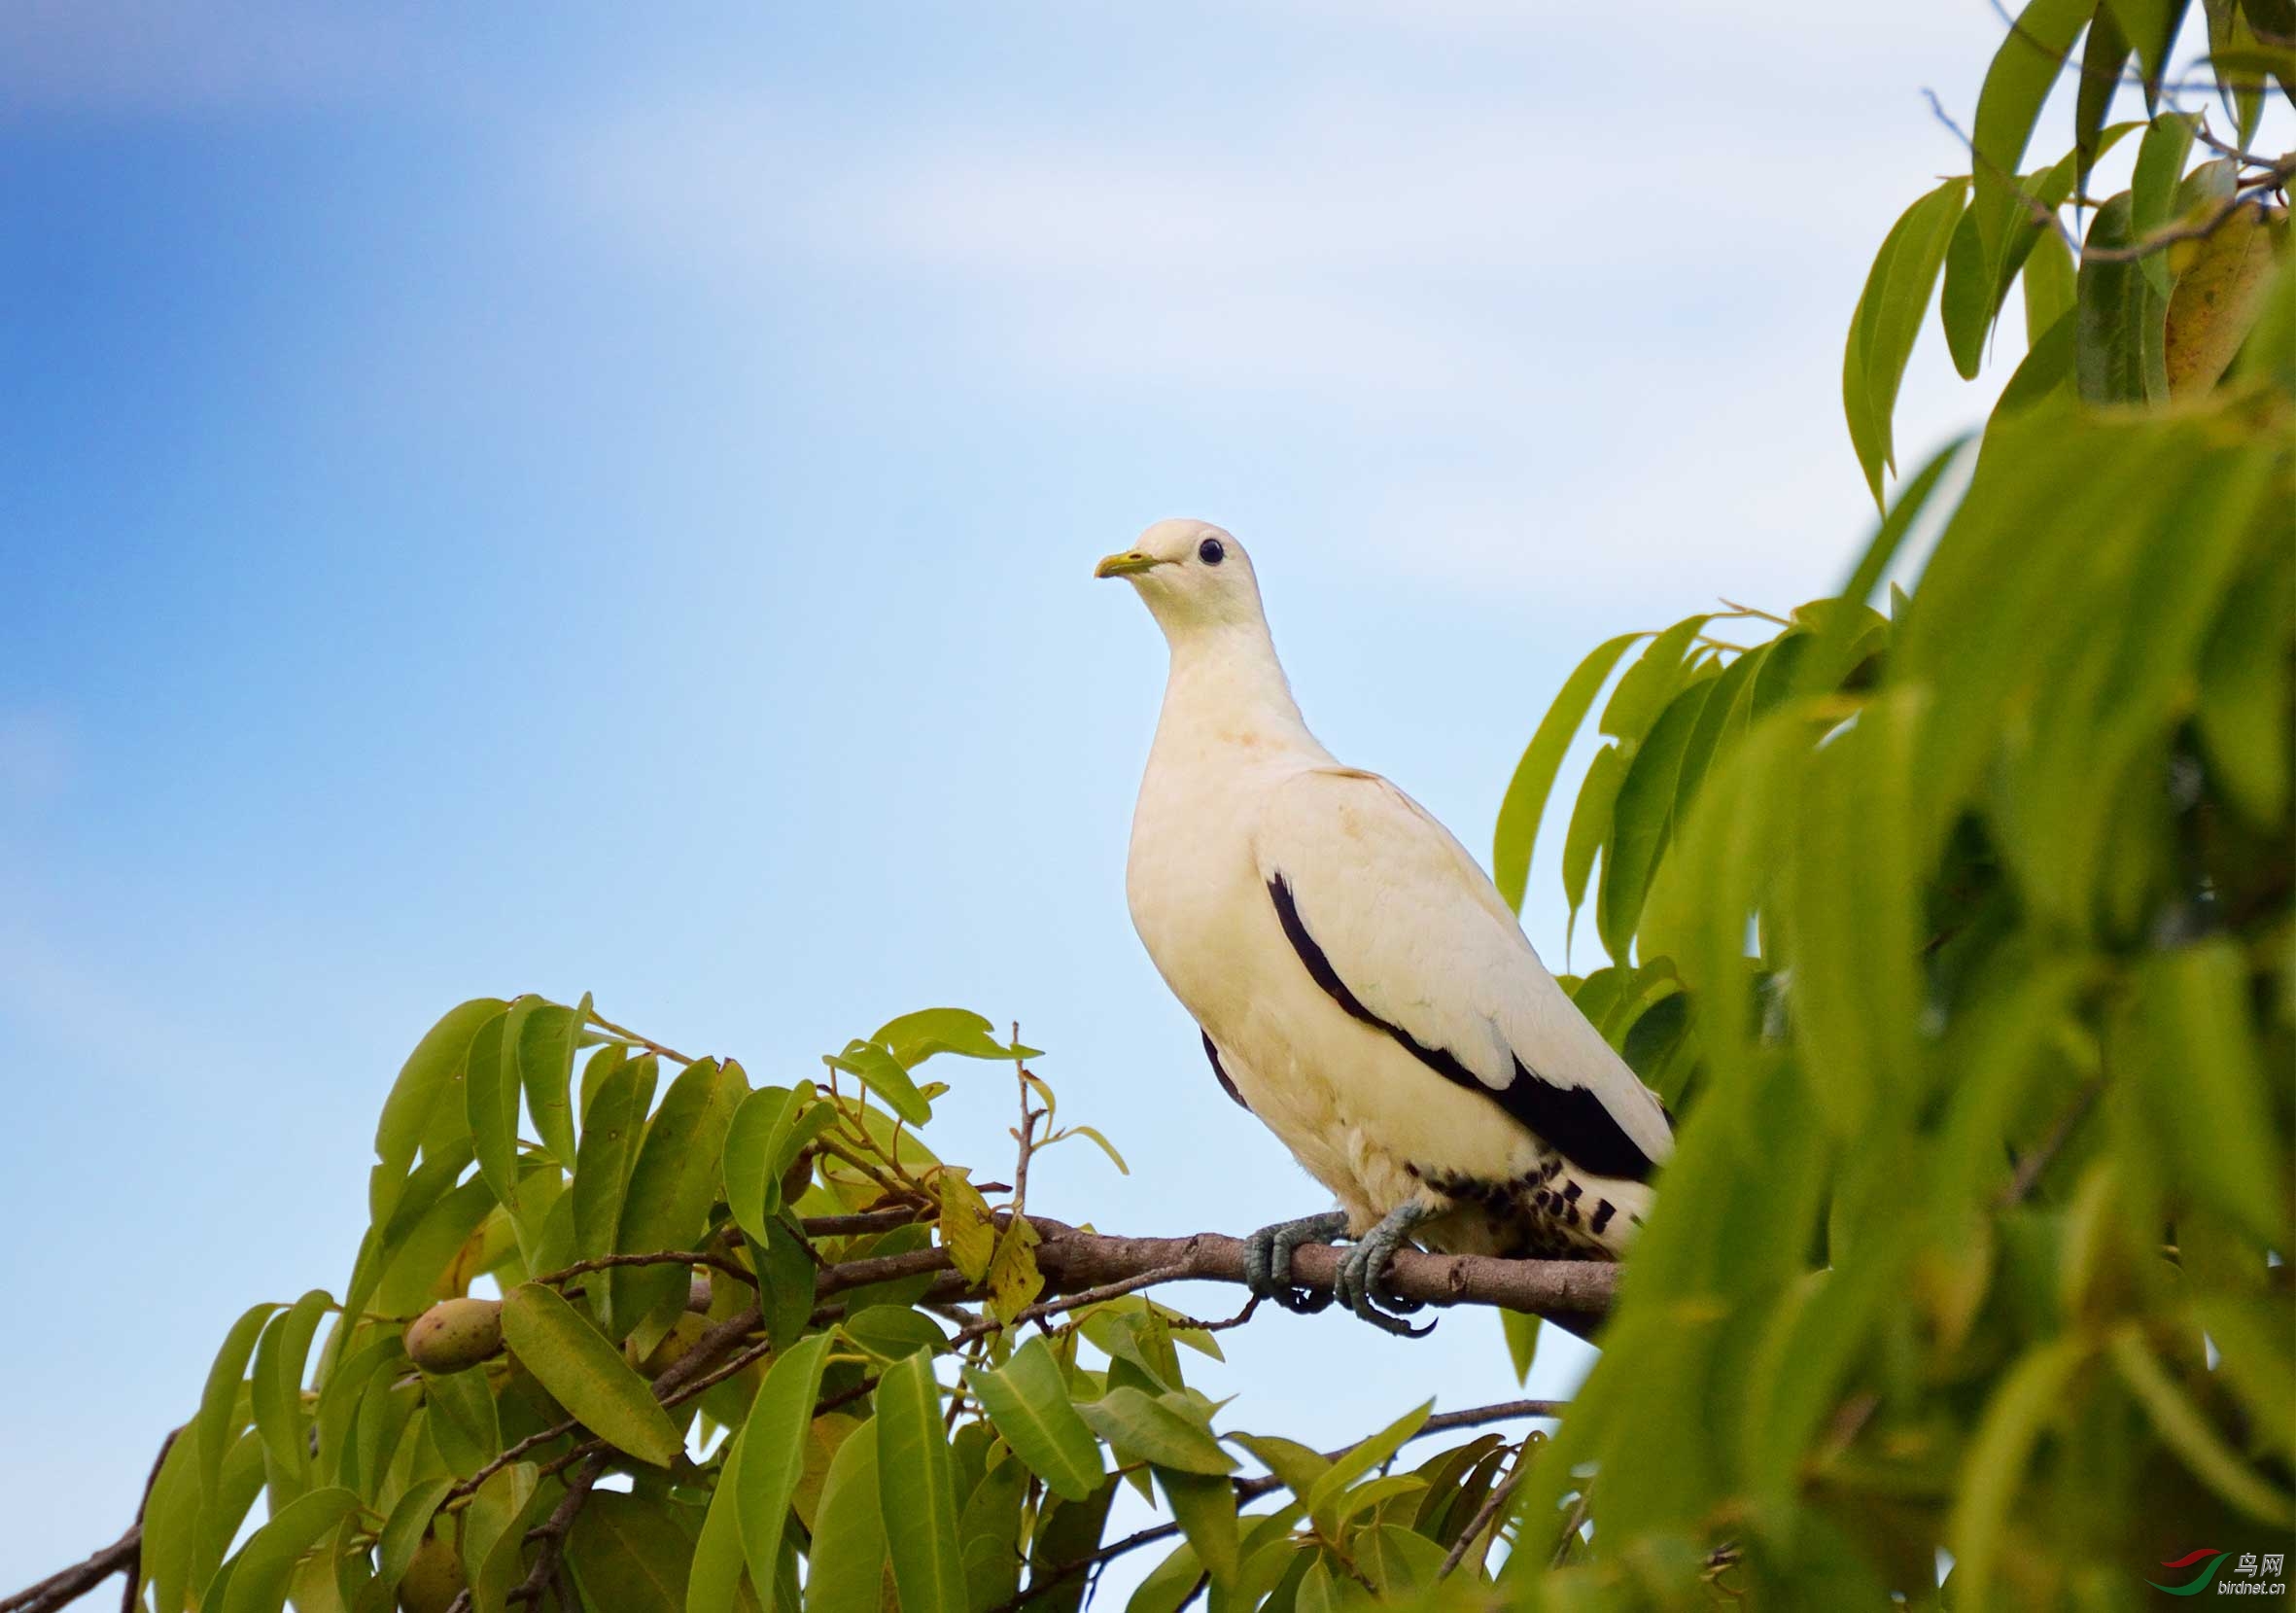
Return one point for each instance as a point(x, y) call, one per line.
point(1169, 1585)
point(788, 1280)
point(430, 1069)
point(2204, 1088)
point(602, 1064)
point(587, 1374)
point(1398, 1560)
point(1106, 1147)
point(2152, 193)
point(2103, 59)
point(1067, 1533)
point(1358, 1460)
point(1143, 1428)
point(989, 1536)
point(1027, 1400)
point(403, 1531)
point(224, 1510)
point(1319, 1590)
point(410, 1275)
point(1913, 498)
point(2024, 70)
point(276, 1385)
point(774, 1443)
point(547, 1041)
point(1206, 1507)
point(503, 1563)
point(1980, 1529)
point(463, 1421)
point(1292, 1462)
point(216, 1428)
point(1527, 791)
point(912, 1038)
point(671, 1185)
point(1590, 823)
point(2047, 369)
point(613, 1128)
point(892, 1331)
point(713, 1581)
point(884, 1076)
point(768, 1131)
point(171, 1526)
point(627, 1553)
point(1641, 817)
point(1888, 319)
point(2049, 287)
point(917, 1485)
point(490, 1099)
point(259, 1572)
point(1657, 675)
point(2185, 1430)
point(2244, 690)
point(339, 1400)
point(2122, 355)
point(848, 1562)
point(2150, 27)
point(2239, 64)
point(1522, 1341)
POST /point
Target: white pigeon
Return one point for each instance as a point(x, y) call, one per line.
point(1360, 985)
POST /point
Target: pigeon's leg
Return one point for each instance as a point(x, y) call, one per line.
point(1363, 1269)
point(1268, 1259)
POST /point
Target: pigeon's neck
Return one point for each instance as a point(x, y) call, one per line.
point(1227, 689)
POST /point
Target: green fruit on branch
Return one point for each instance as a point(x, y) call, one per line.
point(454, 1334)
point(433, 1578)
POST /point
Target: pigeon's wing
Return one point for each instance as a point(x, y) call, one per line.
point(1403, 930)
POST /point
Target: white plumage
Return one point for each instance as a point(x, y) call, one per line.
point(1360, 984)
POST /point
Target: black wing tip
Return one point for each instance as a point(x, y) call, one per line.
point(1220, 1072)
point(1571, 1120)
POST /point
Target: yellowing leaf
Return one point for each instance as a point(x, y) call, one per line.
point(966, 1231)
point(1014, 1281)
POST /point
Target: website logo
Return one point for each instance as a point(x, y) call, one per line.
point(2251, 1575)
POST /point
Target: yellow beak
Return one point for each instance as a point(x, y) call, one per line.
point(1130, 563)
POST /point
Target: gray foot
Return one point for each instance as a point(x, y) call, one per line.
point(1268, 1259)
point(1363, 1273)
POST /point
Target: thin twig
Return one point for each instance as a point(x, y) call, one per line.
point(2030, 1168)
point(123, 1556)
point(1072, 1302)
point(651, 1046)
point(1737, 610)
point(663, 1257)
point(1493, 1505)
point(59, 1589)
point(550, 1534)
point(2199, 229)
point(854, 1226)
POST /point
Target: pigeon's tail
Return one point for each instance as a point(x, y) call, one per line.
point(1555, 1212)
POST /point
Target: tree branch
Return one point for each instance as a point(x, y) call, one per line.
point(1083, 1267)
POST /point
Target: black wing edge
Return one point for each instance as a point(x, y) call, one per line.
point(1220, 1073)
point(1572, 1120)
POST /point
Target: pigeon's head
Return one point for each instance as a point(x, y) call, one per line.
point(1192, 575)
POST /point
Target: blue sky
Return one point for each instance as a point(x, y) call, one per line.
point(523, 498)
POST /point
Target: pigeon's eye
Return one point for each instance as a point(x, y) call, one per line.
point(1210, 552)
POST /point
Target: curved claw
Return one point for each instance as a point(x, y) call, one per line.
point(1267, 1260)
point(1363, 1273)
